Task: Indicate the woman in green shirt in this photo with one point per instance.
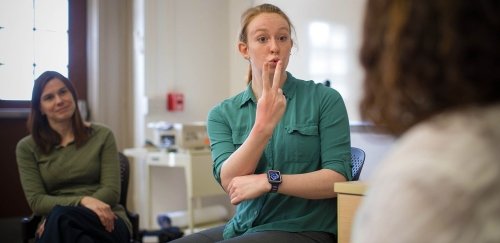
(69, 169)
(279, 146)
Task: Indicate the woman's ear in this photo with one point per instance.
(243, 48)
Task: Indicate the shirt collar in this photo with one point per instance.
(290, 86)
(288, 89)
(248, 96)
(58, 146)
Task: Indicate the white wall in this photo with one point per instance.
(238, 66)
(375, 145)
(186, 50)
(110, 82)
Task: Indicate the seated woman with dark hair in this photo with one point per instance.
(69, 169)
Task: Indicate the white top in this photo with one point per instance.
(440, 183)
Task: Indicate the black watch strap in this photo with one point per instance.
(274, 178)
(274, 187)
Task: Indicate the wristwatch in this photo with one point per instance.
(274, 178)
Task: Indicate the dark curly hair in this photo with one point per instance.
(424, 57)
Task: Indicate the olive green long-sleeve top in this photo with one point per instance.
(67, 174)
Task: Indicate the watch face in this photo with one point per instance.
(274, 176)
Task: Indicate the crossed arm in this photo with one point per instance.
(237, 172)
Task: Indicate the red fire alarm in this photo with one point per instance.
(175, 101)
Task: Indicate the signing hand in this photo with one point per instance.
(247, 187)
(272, 103)
(102, 210)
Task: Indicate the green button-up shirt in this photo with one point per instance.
(313, 134)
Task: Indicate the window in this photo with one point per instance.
(75, 66)
(329, 54)
(33, 39)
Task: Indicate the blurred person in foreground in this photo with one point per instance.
(433, 80)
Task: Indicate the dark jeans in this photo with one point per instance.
(215, 235)
(80, 224)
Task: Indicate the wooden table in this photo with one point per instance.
(349, 196)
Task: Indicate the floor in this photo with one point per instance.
(10, 230)
(154, 239)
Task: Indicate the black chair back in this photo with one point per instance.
(124, 176)
(357, 159)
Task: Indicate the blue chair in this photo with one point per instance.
(357, 160)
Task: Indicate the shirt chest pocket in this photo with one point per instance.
(302, 143)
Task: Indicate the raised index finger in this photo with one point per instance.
(266, 83)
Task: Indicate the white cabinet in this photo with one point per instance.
(159, 184)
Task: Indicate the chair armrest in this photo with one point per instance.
(134, 220)
(29, 226)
